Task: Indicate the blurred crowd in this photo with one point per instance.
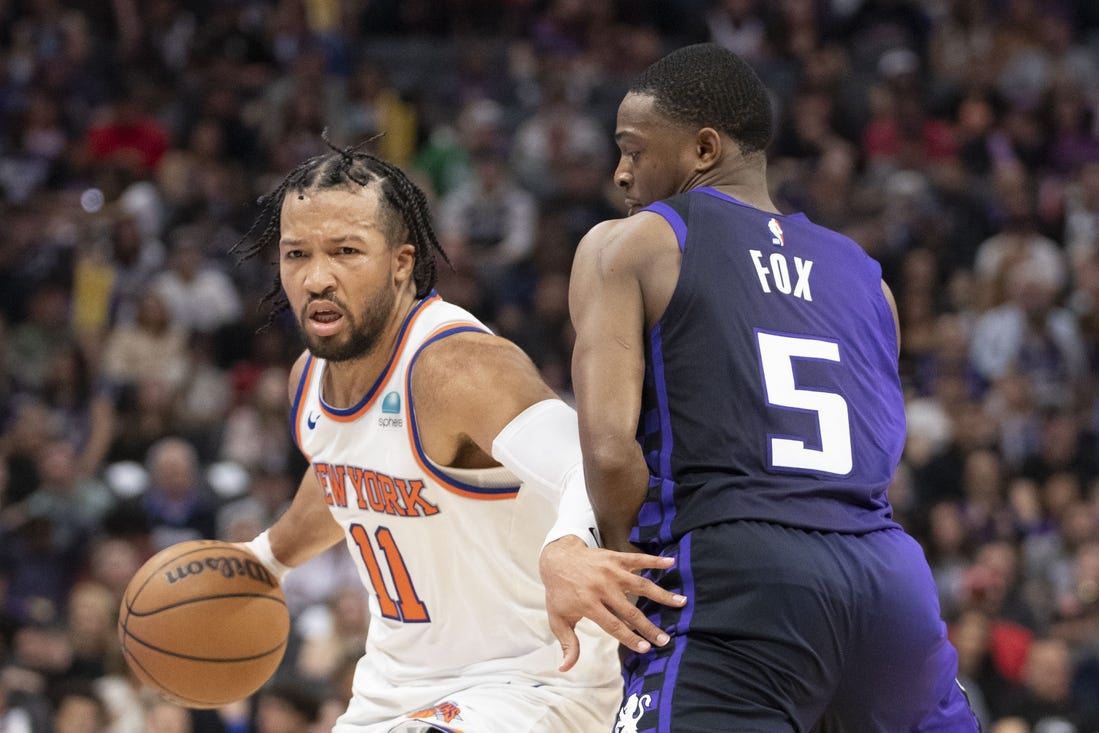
(143, 395)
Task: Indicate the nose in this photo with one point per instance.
(318, 276)
(623, 177)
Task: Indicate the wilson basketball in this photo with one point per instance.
(204, 623)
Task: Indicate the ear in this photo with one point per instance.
(404, 260)
(709, 148)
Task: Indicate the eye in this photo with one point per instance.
(347, 251)
(293, 254)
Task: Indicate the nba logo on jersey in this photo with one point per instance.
(777, 238)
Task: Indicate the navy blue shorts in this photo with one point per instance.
(784, 628)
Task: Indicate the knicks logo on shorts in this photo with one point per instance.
(445, 712)
(631, 713)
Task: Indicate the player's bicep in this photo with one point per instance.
(468, 387)
(607, 310)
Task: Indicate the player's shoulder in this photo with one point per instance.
(296, 372)
(647, 225)
(468, 356)
(472, 375)
(631, 241)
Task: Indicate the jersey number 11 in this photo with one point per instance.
(407, 606)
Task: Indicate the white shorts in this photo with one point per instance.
(498, 707)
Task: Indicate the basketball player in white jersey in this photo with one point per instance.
(445, 464)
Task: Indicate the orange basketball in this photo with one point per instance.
(204, 623)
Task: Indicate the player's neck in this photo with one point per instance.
(345, 383)
(742, 177)
(751, 195)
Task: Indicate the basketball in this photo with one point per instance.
(203, 623)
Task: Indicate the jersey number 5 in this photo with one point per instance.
(407, 606)
(776, 357)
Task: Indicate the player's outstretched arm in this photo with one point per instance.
(528, 429)
(541, 445)
(582, 582)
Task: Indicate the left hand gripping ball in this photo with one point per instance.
(203, 623)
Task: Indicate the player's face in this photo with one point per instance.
(656, 154)
(340, 274)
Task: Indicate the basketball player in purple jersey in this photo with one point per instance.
(740, 410)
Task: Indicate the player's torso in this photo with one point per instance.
(771, 375)
(450, 557)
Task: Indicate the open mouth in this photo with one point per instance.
(323, 317)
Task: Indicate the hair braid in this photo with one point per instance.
(408, 199)
(404, 212)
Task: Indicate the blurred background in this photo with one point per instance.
(143, 388)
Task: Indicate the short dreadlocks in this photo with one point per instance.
(402, 209)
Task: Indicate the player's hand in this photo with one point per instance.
(582, 582)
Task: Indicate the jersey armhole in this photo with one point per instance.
(299, 400)
(491, 490)
(673, 211)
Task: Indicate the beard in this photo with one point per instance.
(362, 334)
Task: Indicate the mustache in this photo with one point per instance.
(324, 299)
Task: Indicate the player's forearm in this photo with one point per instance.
(294, 543)
(617, 479)
(306, 529)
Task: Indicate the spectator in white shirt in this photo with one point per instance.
(199, 296)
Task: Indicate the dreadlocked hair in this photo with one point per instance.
(403, 211)
(710, 86)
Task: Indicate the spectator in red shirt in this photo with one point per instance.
(128, 134)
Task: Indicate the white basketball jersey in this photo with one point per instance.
(450, 556)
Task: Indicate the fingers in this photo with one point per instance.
(639, 586)
(643, 587)
(631, 617)
(570, 644)
(636, 561)
(571, 654)
(605, 593)
(614, 626)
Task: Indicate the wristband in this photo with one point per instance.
(574, 513)
(261, 548)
